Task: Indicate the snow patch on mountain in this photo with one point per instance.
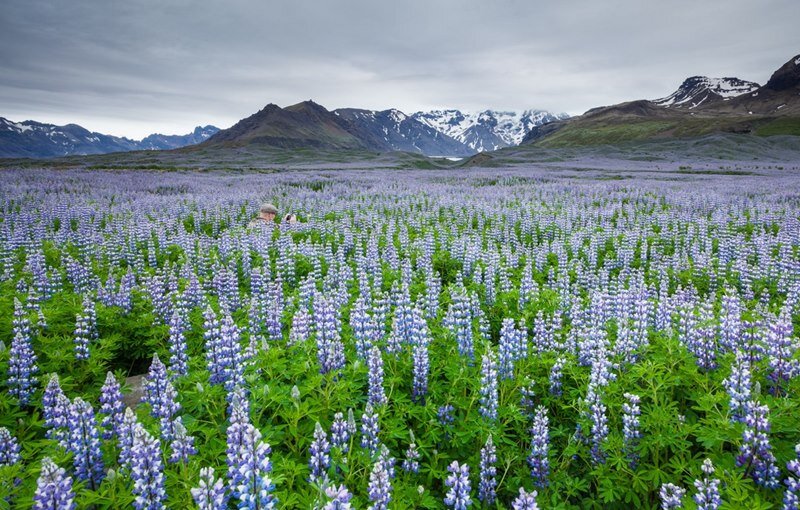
(486, 130)
(697, 90)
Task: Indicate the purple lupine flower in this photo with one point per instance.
(538, 460)
(507, 348)
(22, 360)
(364, 326)
(182, 445)
(488, 472)
(330, 350)
(556, 374)
(231, 353)
(84, 443)
(791, 498)
(125, 437)
(111, 406)
(385, 456)
(730, 326)
(525, 500)
(411, 462)
(379, 489)
(9, 448)
(445, 415)
(340, 433)
(459, 321)
(671, 496)
(755, 453)
(147, 471)
(376, 395)
(489, 391)
(707, 497)
(320, 459)
(248, 464)
(210, 493)
(85, 329)
(421, 371)
(161, 395)
(215, 356)
(178, 360)
(781, 350)
(527, 399)
(630, 428)
(339, 498)
(53, 488)
(301, 327)
(458, 497)
(739, 386)
(369, 429)
(55, 408)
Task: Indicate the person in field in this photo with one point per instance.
(266, 216)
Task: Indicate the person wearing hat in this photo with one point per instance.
(266, 215)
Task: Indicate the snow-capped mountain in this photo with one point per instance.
(394, 130)
(699, 90)
(31, 139)
(487, 130)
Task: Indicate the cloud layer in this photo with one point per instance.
(133, 68)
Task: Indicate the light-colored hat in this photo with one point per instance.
(268, 208)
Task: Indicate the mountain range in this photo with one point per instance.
(700, 106)
(31, 139)
(443, 133)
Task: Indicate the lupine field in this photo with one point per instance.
(418, 339)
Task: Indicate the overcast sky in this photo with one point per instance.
(136, 67)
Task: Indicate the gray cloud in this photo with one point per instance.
(132, 68)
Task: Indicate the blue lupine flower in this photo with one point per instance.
(739, 386)
(369, 429)
(147, 471)
(339, 498)
(421, 369)
(340, 433)
(160, 394)
(84, 443)
(320, 459)
(671, 496)
(781, 350)
(445, 415)
(248, 464)
(376, 395)
(210, 493)
(125, 437)
(53, 488)
(791, 498)
(489, 392)
(630, 430)
(379, 489)
(540, 446)
(488, 472)
(525, 500)
(330, 350)
(111, 406)
(458, 497)
(230, 353)
(707, 497)
(22, 360)
(179, 360)
(459, 321)
(556, 373)
(182, 445)
(411, 462)
(756, 452)
(55, 408)
(9, 448)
